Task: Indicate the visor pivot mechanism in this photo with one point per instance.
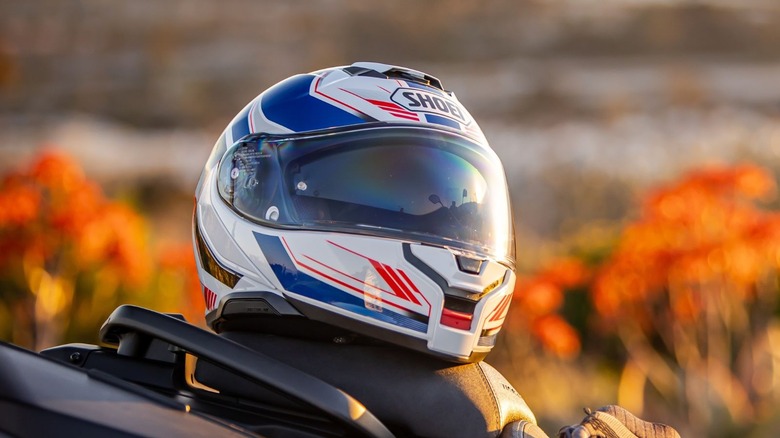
(272, 214)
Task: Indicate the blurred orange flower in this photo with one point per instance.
(705, 228)
(557, 336)
(565, 272)
(177, 259)
(19, 204)
(70, 250)
(538, 298)
(56, 171)
(691, 288)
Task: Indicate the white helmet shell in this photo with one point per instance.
(363, 199)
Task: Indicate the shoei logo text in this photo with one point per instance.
(422, 101)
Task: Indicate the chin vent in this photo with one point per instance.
(469, 265)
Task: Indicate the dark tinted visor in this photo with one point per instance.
(412, 183)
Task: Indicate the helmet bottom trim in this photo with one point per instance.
(249, 304)
(366, 329)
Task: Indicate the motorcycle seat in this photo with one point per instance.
(411, 393)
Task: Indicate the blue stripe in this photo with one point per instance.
(439, 120)
(303, 284)
(290, 105)
(241, 127)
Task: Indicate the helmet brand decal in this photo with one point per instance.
(422, 101)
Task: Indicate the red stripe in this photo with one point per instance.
(397, 291)
(399, 111)
(497, 311)
(392, 108)
(504, 305)
(351, 287)
(381, 272)
(404, 116)
(284, 241)
(389, 106)
(403, 286)
(384, 104)
(347, 275)
(209, 297)
(316, 85)
(408, 280)
(411, 284)
(348, 250)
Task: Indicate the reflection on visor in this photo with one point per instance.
(398, 178)
(418, 184)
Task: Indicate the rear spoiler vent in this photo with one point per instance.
(396, 73)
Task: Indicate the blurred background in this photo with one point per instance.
(641, 140)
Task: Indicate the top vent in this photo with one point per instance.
(366, 69)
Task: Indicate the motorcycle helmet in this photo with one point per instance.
(362, 202)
